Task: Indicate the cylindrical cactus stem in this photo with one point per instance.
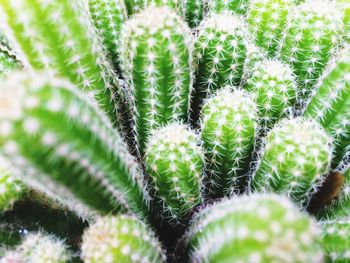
(228, 125)
(344, 6)
(232, 6)
(175, 163)
(335, 240)
(330, 103)
(267, 20)
(60, 37)
(108, 18)
(121, 239)
(60, 143)
(294, 161)
(156, 55)
(255, 228)
(193, 12)
(313, 32)
(273, 85)
(219, 55)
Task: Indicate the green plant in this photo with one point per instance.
(344, 6)
(231, 6)
(8, 59)
(193, 12)
(228, 126)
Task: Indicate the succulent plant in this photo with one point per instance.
(255, 228)
(330, 103)
(267, 20)
(61, 144)
(231, 6)
(193, 12)
(156, 56)
(273, 85)
(312, 35)
(175, 163)
(344, 6)
(294, 160)
(121, 239)
(228, 126)
(8, 58)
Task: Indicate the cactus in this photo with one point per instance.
(175, 163)
(335, 240)
(61, 144)
(311, 38)
(8, 59)
(344, 6)
(58, 36)
(156, 58)
(294, 160)
(233, 6)
(330, 104)
(120, 239)
(255, 228)
(194, 12)
(267, 21)
(219, 55)
(227, 131)
(273, 85)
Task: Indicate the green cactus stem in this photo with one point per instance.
(175, 163)
(219, 55)
(295, 158)
(344, 6)
(156, 56)
(273, 85)
(8, 59)
(313, 33)
(228, 126)
(194, 12)
(121, 239)
(257, 228)
(267, 21)
(233, 6)
(330, 104)
(61, 144)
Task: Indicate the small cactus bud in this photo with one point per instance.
(120, 239)
(233, 6)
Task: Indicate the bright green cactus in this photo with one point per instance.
(219, 55)
(267, 20)
(257, 228)
(194, 12)
(232, 6)
(313, 33)
(156, 57)
(330, 104)
(175, 163)
(228, 125)
(336, 240)
(61, 144)
(121, 239)
(273, 85)
(58, 36)
(294, 161)
(344, 6)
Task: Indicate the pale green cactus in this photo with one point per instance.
(121, 239)
(228, 126)
(294, 160)
(257, 228)
(60, 143)
(156, 56)
(344, 6)
(175, 163)
(231, 6)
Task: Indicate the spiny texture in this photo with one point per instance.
(228, 123)
(336, 240)
(312, 35)
(58, 36)
(108, 17)
(330, 105)
(219, 55)
(156, 57)
(273, 85)
(254, 57)
(194, 12)
(257, 228)
(344, 6)
(231, 6)
(267, 20)
(121, 239)
(295, 158)
(175, 162)
(60, 143)
(8, 59)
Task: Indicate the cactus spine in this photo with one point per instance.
(156, 57)
(344, 6)
(267, 21)
(8, 59)
(120, 239)
(255, 228)
(294, 160)
(233, 6)
(228, 123)
(67, 147)
(194, 12)
(273, 85)
(175, 163)
(312, 35)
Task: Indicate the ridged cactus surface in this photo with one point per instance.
(193, 10)
(344, 6)
(230, 6)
